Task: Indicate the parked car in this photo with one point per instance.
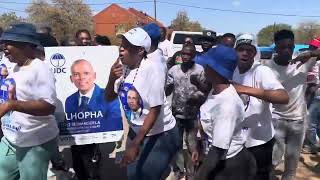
(266, 52)
(177, 39)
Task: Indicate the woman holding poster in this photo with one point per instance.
(30, 131)
(153, 137)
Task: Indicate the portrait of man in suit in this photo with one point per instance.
(133, 100)
(135, 104)
(89, 99)
(88, 106)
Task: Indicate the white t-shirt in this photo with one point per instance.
(167, 48)
(258, 116)
(294, 80)
(313, 77)
(143, 88)
(33, 82)
(222, 118)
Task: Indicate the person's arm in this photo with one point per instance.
(269, 88)
(279, 96)
(132, 151)
(204, 87)
(110, 95)
(115, 73)
(305, 57)
(155, 98)
(169, 89)
(35, 107)
(222, 132)
(147, 125)
(210, 162)
(44, 96)
(312, 83)
(169, 83)
(316, 54)
(201, 83)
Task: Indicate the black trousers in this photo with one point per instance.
(86, 161)
(263, 156)
(240, 167)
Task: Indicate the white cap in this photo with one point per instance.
(246, 39)
(250, 39)
(138, 37)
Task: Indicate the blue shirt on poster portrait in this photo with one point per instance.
(108, 113)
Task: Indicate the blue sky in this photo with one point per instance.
(210, 19)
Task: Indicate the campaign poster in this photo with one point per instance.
(82, 113)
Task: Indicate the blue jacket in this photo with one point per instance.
(108, 114)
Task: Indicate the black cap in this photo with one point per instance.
(208, 35)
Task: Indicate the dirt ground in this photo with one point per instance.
(309, 168)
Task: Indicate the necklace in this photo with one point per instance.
(126, 74)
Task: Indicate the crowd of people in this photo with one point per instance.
(217, 114)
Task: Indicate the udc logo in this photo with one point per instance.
(57, 61)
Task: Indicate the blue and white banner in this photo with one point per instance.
(79, 72)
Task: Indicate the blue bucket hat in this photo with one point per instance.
(221, 59)
(153, 31)
(22, 32)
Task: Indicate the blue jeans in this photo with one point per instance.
(314, 123)
(156, 153)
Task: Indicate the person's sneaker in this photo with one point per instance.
(309, 150)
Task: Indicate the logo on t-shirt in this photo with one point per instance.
(7, 86)
(131, 101)
(178, 59)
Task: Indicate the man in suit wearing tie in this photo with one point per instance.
(89, 98)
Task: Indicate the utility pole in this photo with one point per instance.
(155, 9)
(274, 30)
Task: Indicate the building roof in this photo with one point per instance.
(117, 18)
(131, 13)
(144, 17)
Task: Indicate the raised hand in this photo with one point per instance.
(194, 80)
(302, 58)
(116, 69)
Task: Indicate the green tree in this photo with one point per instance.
(183, 23)
(7, 19)
(306, 31)
(65, 17)
(265, 35)
(195, 26)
